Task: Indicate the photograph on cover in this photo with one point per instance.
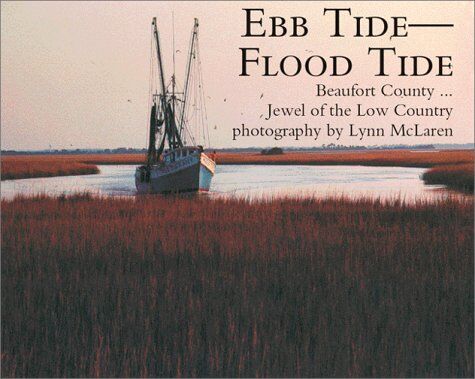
(237, 189)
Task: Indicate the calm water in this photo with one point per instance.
(251, 181)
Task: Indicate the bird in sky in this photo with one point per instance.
(261, 116)
(262, 95)
(128, 100)
(224, 99)
(215, 127)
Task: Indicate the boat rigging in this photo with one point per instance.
(176, 118)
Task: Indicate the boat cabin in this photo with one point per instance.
(180, 153)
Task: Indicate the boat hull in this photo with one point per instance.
(190, 174)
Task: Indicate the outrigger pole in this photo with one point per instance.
(152, 153)
(160, 63)
(171, 131)
(194, 35)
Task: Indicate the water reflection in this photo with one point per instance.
(252, 181)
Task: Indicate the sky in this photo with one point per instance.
(68, 70)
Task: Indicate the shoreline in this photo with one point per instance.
(455, 162)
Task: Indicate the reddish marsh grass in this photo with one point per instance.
(35, 166)
(21, 167)
(457, 177)
(405, 158)
(166, 286)
(374, 157)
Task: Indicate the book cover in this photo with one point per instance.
(237, 189)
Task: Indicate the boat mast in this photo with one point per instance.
(173, 77)
(152, 151)
(160, 63)
(167, 110)
(194, 35)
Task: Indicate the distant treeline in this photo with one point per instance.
(120, 150)
(253, 149)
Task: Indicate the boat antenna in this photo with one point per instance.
(173, 45)
(173, 77)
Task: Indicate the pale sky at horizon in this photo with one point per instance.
(68, 69)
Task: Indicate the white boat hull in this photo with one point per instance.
(191, 173)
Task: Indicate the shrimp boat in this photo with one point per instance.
(173, 164)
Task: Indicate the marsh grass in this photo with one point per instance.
(40, 167)
(459, 177)
(188, 286)
(402, 158)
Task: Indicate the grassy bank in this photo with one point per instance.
(403, 158)
(167, 286)
(22, 167)
(458, 177)
(370, 158)
(36, 166)
(30, 166)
